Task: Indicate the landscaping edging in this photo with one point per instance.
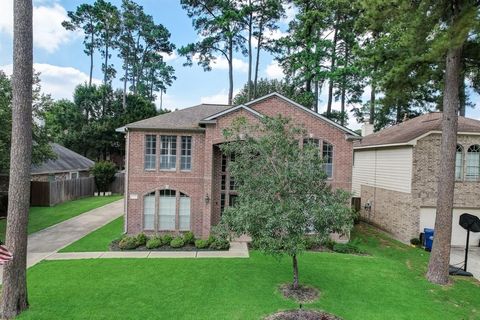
(237, 250)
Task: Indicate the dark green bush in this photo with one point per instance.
(104, 173)
(142, 239)
(220, 244)
(177, 242)
(415, 241)
(211, 239)
(189, 237)
(154, 243)
(329, 244)
(347, 248)
(128, 243)
(166, 239)
(202, 243)
(311, 242)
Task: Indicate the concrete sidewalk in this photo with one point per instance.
(237, 250)
(43, 243)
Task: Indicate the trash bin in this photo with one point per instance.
(428, 238)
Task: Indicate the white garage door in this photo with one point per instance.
(459, 235)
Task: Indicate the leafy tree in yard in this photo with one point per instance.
(104, 173)
(41, 150)
(282, 187)
(14, 297)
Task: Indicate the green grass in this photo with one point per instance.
(43, 217)
(387, 284)
(98, 240)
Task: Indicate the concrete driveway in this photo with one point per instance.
(457, 257)
(43, 243)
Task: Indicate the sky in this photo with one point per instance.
(59, 56)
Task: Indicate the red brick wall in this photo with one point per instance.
(204, 178)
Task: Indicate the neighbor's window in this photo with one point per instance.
(459, 163)
(186, 157)
(327, 154)
(150, 151)
(74, 175)
(168, 152)
(184, 212)
(473, 162)
(149, 211)
(166, 210)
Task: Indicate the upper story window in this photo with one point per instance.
(327, 154)
(314, 142)
(168, 152)
(473, 162)
(150, 152)
(459, 163)
(186, 156)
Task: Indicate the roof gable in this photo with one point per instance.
(246, 106)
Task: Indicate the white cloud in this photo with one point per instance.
(290, 13)
(221, 63)
(60, 82)
(169, 57)
(48, 33)
(218, 98)
(274, 71)
(275, 34)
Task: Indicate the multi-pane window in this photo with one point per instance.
(473, 162)
(224, 163)
(150, 151)
(167, 210)
(223, 182)
(222, 202)
(184, 212)
(168, 152)
(232, 200)
(186, 156)
(232, 184)
(327, 154)
(459, 163)
(149, 211)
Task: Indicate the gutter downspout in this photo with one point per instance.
(125, 197)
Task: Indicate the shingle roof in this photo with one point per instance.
(187, 118)
(414, 128)
(67, 160)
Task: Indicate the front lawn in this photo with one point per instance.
(98, 240)
(388, 284)
(43, 217)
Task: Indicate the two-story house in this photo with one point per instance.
(177, 178)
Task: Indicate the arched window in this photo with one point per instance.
(167, 210)
(459, 163)
(327, 154)
(473, 162)
(184, 212)
(149, 211)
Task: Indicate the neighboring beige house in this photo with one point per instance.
(395, 173)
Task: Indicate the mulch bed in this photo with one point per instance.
(188, 247)
(302, 315)
(304, 294)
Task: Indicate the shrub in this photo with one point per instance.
(166, 239)
(154, 243)
(177, 242)
(141, 239)
(128, 243)
(211, 239)
(415, 241)
(189, 237)
(347, 248)
(220, 244)
(311, 242)
(329, 244)
(202, 243)
(104, 173)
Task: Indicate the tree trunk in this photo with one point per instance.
(295, 272)
(230, 71)
(14, 291)
(315, 104)
(332, 68)
(440, 256)
(92, 40)
(250, 58)
(372, 104)
(344, 84)
(124, 96)
(257, 62)
(105, 72)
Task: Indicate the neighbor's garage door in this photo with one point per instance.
(459, 235)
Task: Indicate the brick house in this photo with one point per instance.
(177, 178)
(395, 173)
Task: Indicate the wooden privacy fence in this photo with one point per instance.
(50, 193)
(118, 185)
